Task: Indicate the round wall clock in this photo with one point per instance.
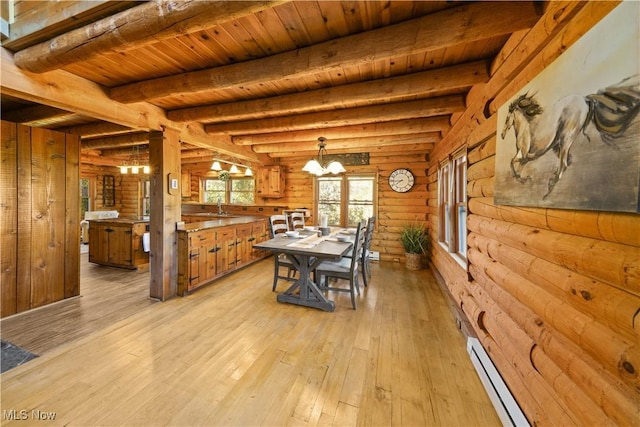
(401, 180)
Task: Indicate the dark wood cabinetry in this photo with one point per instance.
(209, 253)
(117, 243)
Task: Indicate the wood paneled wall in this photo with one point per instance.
(553, 295)
(40, 217)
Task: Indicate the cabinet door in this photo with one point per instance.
(274, 181)
(258, 235)
(98, 243)
(208, 253)
(243, 244)
(193, 278)
(270, 182)
(120, 247)
(226, 256)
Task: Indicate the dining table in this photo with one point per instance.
(306, 251)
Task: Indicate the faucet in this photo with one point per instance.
(220, 212)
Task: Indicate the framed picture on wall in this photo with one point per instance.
(569, 138)
(108, 190)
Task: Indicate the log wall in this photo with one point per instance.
(553, 295)
(40, 224)
(394, 209)
(128, 189)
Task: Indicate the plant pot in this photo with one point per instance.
(413, 261)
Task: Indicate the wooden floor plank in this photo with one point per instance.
(229, 354)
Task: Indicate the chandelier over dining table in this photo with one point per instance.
(316, 166)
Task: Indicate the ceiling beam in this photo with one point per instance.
(99, 160)
(419, 35)
(197, 153)
(399, 127)
(446, 80)
(69, 92)
(439, 106)
(425, 147)
(358, 144)
(91, 130)
(34, 113)
(118, 141)
(133, 28)
(60, 16)
(142, 152)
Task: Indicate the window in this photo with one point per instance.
(145, 200)
(85, 196)
(235, 191)
(452, 204)
(347, 199)
(242, 191)
(213, 190)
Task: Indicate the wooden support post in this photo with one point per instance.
(164, 159)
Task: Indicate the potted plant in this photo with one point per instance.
(415, 242)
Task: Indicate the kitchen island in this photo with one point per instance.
(216, 246)
(117, 242)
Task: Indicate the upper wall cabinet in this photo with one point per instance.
(270, 182)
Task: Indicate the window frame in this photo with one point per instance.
(227, 189)
(345, 200)
(452, 205)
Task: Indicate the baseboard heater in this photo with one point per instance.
(507, 408)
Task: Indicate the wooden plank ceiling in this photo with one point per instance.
(259, 80)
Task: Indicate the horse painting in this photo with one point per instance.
(538, 129)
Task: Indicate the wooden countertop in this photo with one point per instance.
(219, 221)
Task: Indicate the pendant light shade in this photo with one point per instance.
(317, 167)
(216, 166)
(234, 169)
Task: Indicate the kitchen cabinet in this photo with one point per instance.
(244, 237)
(259, 233)
(227, 255)
(202, 257)
(270, 182)
(205, 254)
(117, 243)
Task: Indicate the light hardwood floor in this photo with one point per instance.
(229, 354)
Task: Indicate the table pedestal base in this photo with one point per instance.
(309, 302)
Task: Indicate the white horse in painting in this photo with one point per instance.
(538, 129)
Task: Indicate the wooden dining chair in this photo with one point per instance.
(365, 260)
(346, 268)
(280, 224)
(297, 220)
